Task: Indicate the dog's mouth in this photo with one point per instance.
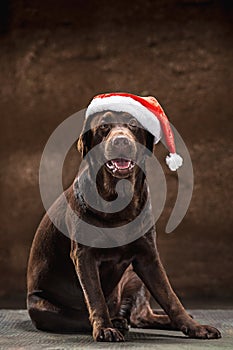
(120, 165)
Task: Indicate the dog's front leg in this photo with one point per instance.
(88, 273)
(150, 269)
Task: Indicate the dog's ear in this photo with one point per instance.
(84, 143)
(150, 141)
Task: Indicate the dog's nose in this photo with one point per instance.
(120, 142)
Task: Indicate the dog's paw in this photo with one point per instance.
(201, 332)
(108, 335)
(121, 324)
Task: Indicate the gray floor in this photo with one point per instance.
(17, 332)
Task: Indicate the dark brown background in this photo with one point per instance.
(55, 55)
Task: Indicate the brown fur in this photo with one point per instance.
(76, 288)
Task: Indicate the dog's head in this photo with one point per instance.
(120, 133)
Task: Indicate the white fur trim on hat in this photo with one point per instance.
(128, 105)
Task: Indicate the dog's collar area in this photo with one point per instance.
(78, 195)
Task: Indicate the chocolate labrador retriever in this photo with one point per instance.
(74, 287)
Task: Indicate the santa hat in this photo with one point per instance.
(149, 114)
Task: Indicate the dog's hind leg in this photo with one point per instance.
(135, 304)
(142, 316)
(130, 302)
(47, 316)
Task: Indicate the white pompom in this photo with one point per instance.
(174, 161)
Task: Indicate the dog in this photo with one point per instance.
(73, 287)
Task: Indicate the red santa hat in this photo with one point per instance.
(149, 114)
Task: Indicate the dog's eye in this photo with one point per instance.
(104, 126)
(133, 123)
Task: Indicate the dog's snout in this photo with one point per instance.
(121, 142)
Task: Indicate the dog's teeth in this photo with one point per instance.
(114, 167)
(110, 165)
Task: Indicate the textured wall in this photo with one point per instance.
(54, 58)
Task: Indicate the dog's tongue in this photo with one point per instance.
(121, 163)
